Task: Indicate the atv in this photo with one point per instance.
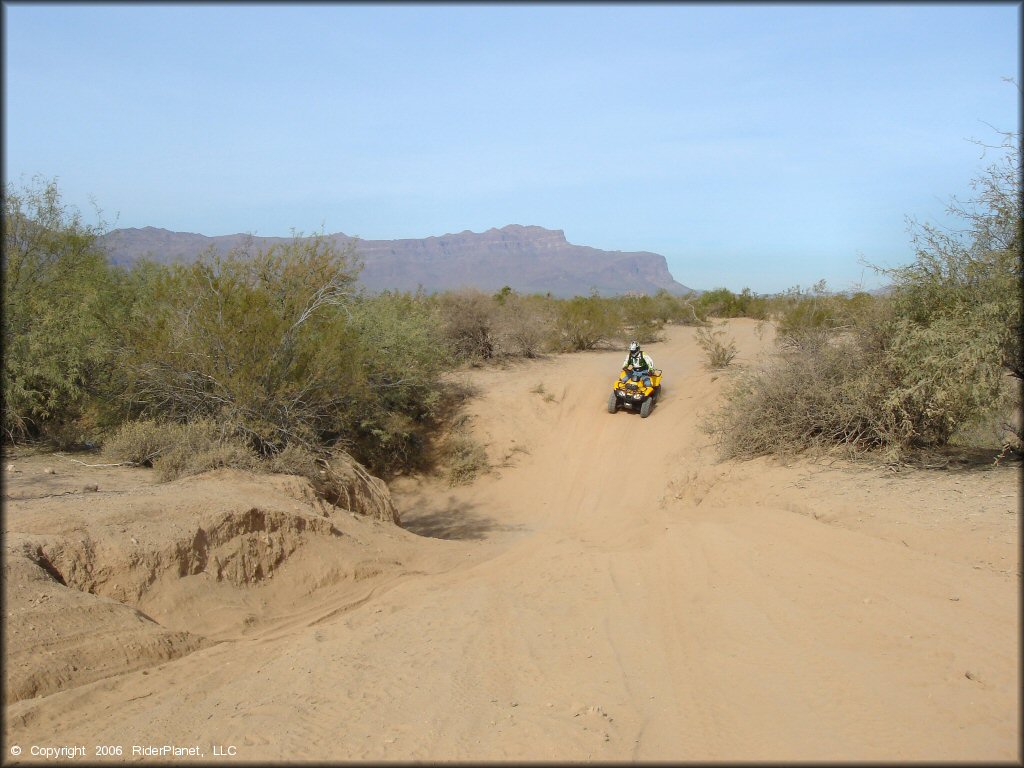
(629, 392)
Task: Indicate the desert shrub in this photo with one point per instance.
(958, 306)
(720, 350)
(179, 450)
(140, 442)
(718, 302)
(642, 318)
(255, 342)
(584, 322)
(342, 481)
(933, 360)
(721, 302)
(294, 459)
(751, 305)
(947, 375)
(464, 458)
(668, 308)
(857, 308)
(817, 392)
(685, 312)
(58, 291)
(399, 355)
(524, 325)
(803, 310)
(468, 320)
(547, 397)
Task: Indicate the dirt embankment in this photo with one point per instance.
(609, 591)
(108, 572)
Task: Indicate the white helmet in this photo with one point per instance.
(634, 347)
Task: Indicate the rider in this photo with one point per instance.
(638, 364)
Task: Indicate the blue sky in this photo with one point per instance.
(759, 145)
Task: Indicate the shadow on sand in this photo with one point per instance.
(964, 459)
(455, 521)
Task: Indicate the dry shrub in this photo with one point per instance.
(523, 326)
(463, 456)
(466, 459)
(293, 460)
(820, 391)
(141, 442)
(720, 353)
(179, 450)
(541, 390)
(468, 318)
(344, 482)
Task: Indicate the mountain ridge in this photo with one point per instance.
(528, 258)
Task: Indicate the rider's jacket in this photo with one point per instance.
(639, 360)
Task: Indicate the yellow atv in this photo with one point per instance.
(629, 392)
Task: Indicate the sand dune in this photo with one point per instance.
(609, 591)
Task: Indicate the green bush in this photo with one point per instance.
(643, 318)
(723, 303)
(58, 299)
(256, 342)
(584, 322)
(958, 307)
(396, 405)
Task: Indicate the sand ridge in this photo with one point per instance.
(610, 591)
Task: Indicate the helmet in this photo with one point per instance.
(634, 347)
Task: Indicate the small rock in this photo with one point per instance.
(955, 599)
(10, 467)
(970, 675)
(49, 471)
(91, 488)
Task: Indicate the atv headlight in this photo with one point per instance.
(637, 396)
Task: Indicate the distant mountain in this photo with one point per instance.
(528, 259)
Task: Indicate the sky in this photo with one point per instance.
(753, 145)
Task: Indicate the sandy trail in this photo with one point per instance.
(611, 592)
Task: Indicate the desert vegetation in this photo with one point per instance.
(718, 347)
(934, 362)
(276, 358)
(268, 358)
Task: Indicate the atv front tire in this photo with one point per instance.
(613, 403)
(645, 408)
